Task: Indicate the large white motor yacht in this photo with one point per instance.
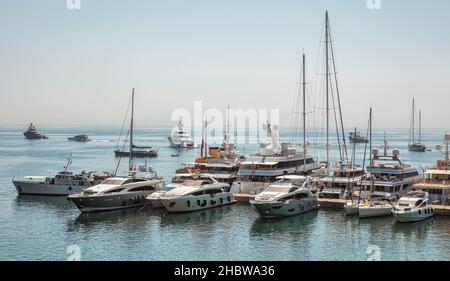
(283, 199)
(117, 193)
(181, 138)
(194, 195)
(413, 207)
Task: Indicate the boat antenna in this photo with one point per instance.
(385, 144)
(131, 132)
(69, 162)
(365, 153)
(304, 112)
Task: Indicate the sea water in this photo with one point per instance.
(52, 228)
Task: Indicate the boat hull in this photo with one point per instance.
(350, 210)
(197, 203)
(136, 154)
(417, 148)
(34, 136)
(413, 215)
(370, 211)
(102, 203)
(25, 188)
(284, 209)
(182, 144)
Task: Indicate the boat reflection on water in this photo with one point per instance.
(412, 230)
(297, 223)
(132, 216)
(43, 202)
(205, 217)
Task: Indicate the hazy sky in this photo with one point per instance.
(62, 66)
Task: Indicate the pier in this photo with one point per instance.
(338, 204)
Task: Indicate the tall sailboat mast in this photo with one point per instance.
(413, 141)
(327, 75)
(131, 131)
(420, 124)
(304, 113)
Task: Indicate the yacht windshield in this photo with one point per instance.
(278, 188)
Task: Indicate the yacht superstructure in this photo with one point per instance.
(181, 138)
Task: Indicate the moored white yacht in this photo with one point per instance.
(413, 207)
(62, 184)
(283, 199)
(33, 134)
(194, 195)
(181, 138)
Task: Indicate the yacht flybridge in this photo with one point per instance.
(272, 161)
(181, 138)
(283, 199)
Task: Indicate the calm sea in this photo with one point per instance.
(42, 228)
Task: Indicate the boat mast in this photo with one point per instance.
(420, 124)
(327, 74)
(304, 113)
(370, 136)
(131, 132)
(413, 122)
(446, 140)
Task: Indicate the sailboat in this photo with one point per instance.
(413, 145)
(141, 151)
(120, 192)
(337, 181)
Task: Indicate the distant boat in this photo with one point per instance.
(356, 137)
(413, 145)
(33, 134)
(181, 138)
(79, 138)
(141, 152)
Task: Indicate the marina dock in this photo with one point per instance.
(337, 204)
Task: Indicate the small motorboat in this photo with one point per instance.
(79, 138)
(413, 207)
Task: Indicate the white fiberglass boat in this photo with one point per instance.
(413, 207)
(194, 195)
(284, 199)
(379, 208)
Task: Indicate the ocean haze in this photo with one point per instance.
(61, 66)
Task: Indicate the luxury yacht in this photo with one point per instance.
(181, 138)
(117, 193)
(63, 183)
(154, 199)
(283, 199)
(33, 134)
(437, 179)
(194, 195)
(79, 138)
(272, 161)
(413, 207)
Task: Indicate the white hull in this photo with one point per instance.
(350, 210)
(195, 203)
(284, 209)
(182, 144)
(374, 211)
(413, 215)
(24, 188)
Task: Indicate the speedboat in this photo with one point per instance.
(33, 134)
(181, 138)
(356, 137)
(117, 193)
(194, 195)
(79, 138)
(283, 199)
(413, 207)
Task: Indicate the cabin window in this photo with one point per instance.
(213, 191)
(172, 204)
(229, 199)
(198, 202)
(188, 203)
(204, 203)
(114, 190)
(142, 188)
(198, 193)
(221, 200)
(213, 202)
(301, 196)
(128, 181)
